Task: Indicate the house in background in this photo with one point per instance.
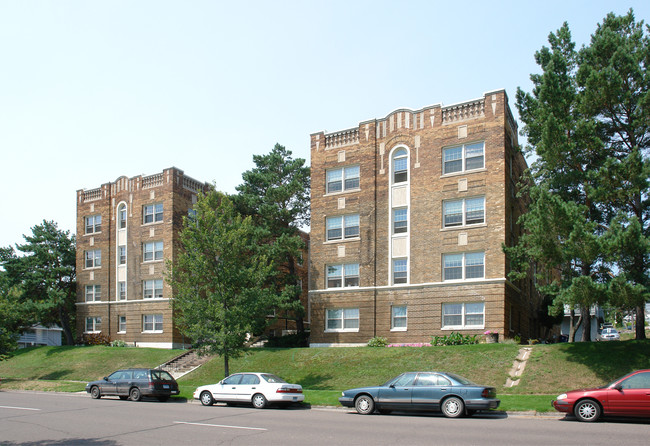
(409, 213)
(40, 335)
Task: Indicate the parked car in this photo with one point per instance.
(609, 334)
(260, 389)
(134, 384)
(625, 396)
(449, 393)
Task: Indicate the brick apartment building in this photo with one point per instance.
(408, 217)
(126, 230)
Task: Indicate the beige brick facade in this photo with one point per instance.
(404, 171)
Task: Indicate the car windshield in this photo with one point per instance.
(461, 380)
(272, 378)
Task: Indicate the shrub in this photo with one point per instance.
(454, 339)
(378, 341)
(96, 339)
(118, 343)
(288, 341)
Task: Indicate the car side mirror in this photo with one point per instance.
(106, 378)
(618, 387)
(392, 386)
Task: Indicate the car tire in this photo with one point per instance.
(364, 405)
(123, 397)
(453, 407)
(135, 394)
(259, 401)
(206, 398)
(587, 410)
(95, 392)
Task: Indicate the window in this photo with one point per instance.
(93, 324)
(400, 166)
(342, 319)
(152, 251)
(93, 293)
(400, 220)
(152, 289)
(152, 323)
(152, 213)
(463, 315)
(121, 289)
(93, 258)
(345, 275)
(122, 255)
(400, 271)
(463, 266)
(343, 179)
(343, 227)
(638, 381)
(398, 318)
(121, 216)
(469, 211)
(121, 324)
(462, 158)
(93, 224)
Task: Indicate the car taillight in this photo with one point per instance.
(487, 393)
(288, 390)
(152, 384)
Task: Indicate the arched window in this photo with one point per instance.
(121, 215)
(400, 166)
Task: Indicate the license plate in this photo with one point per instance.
(165, 386)
(295, 398)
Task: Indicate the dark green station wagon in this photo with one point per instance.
(134, 384)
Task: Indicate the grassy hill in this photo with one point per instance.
(324, 372)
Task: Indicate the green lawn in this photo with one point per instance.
(325, 372)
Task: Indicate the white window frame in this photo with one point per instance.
(464, 315)
(344, 225)
(463, 211)
(121, 324)
(347, 317)
(155, 286)
(394, 270)
(95, 293)
(95, 257)
(464, 265)
(121, 293)
(96, 322)
(152, 249)
(406, 220)
(122, 217)
(95, 226)
(463, 159)
(345, 177)
(343, 277)
(121, 255)
(400, 154)
(394, 317)
(151, 210)
(152, 323)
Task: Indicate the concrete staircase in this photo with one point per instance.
(185, 363)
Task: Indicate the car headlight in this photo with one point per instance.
(562, 397)
(342, 393)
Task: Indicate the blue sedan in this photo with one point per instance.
(448, 393)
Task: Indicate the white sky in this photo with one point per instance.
(92, 90)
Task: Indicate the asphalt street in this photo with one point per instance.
(50, 419)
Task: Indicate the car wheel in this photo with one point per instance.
(364, 405)
(587, 410)
(95, 393)
(206, 398)
(135, 394)
(123, 397)
(259, 402)
(453, 407)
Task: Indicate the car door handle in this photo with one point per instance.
(253, 388)
(443, 389)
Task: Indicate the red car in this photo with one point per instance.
(626, 396)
